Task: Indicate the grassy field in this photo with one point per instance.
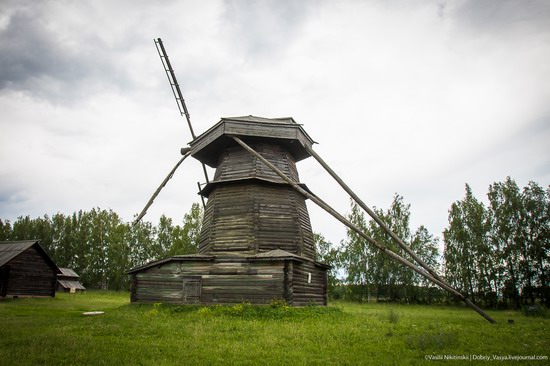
(54, 331)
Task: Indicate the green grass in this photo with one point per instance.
(54, 332)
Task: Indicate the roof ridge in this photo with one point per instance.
(251, 118)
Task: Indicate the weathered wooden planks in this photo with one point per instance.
(221, 282)
(232, 280)
(254, 218)
(235, 163)
(309, 284)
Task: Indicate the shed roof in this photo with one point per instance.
(279, 254)
(181, 258)
(208, 146)
(11, 249)
(68, 272)
(272, 255)
(71, 284)
(276, 254)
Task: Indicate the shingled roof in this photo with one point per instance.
(11, 249)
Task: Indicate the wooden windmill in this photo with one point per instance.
(256, 242)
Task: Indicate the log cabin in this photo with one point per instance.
(26, 270)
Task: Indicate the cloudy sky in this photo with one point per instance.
(409, 97)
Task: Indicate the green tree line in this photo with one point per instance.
(496, 255)
(101, 247)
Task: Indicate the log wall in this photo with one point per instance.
(237, 163)
(309, 284)
(227, 281)
(29, 274)
(252, 218)
(231, 281)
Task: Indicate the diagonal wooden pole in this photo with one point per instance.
(374, 216)
(381, 223)
(186, 153)
(350, 225)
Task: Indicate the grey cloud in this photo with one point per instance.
(33, 58)
(264, 27)
(502, 15)
(26, 51)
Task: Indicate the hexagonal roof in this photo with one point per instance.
(208, 146)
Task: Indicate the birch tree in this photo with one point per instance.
(467, 251)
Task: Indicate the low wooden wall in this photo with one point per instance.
(219, 282)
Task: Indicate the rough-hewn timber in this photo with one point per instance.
(256, 217)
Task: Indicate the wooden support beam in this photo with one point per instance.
(370, 240)
(186, 153)
(381, 223)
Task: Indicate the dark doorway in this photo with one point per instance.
(4, 274)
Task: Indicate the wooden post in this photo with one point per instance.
(350, 225)
(185, 153)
